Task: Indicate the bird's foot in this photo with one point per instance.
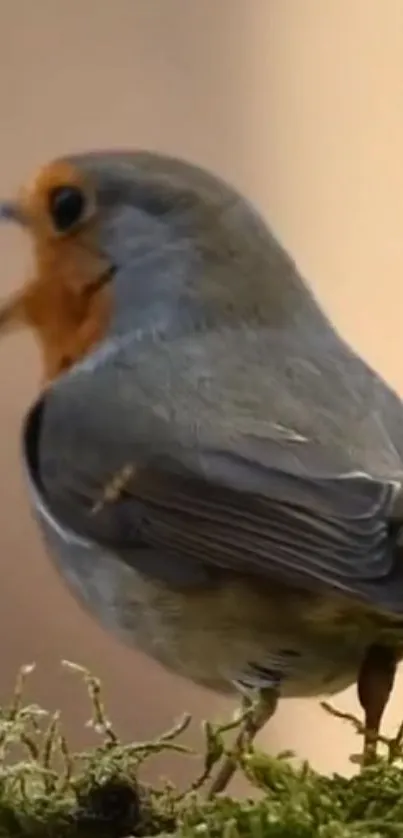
(375, 683)
(257, 714)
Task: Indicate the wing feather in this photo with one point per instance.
(233, 513)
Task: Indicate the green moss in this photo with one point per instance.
(52, 793)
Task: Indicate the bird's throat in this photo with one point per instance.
(68, 326)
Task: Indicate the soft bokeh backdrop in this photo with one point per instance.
(300, 104)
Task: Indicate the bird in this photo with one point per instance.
(216, 473)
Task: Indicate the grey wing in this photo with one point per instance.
(261, 510)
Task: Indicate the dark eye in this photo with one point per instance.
(66, 206)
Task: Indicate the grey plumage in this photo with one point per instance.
(267, 456)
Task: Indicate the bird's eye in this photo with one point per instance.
(67, 206)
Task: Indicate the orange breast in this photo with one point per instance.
(67, 305)
(65, 326)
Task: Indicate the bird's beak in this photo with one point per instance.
(12, 211)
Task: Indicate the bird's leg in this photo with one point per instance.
(375, 683)
(264, 709)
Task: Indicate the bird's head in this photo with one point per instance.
(124, 241)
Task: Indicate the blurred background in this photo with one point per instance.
(299, 103)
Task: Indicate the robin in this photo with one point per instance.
(217, 474)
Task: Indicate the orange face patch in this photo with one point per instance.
(68, 302)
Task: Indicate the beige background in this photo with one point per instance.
(300, 104)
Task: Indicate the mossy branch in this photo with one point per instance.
(51, 792)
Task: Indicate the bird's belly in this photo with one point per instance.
(213, 636)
